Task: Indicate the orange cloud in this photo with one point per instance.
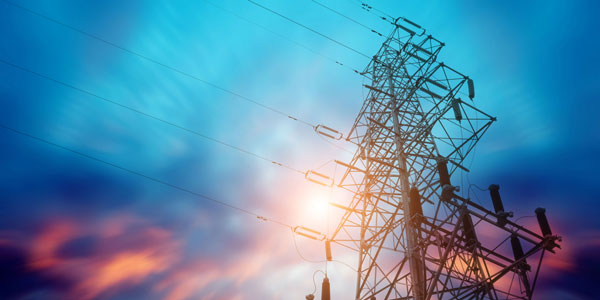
(128, 251)
(43, 248)
(193, 280)
(186, 282)
(123, 268)
(564, 259)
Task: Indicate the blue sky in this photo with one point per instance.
(534, 65)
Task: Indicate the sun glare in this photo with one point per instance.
(316, 207)
(319, 206)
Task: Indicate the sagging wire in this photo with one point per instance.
(310, 29)
(148, 115)
(170, 185)
(179, 71)
(314, 282)
(475, 194)
(299, 253)
(383, 15)
(154, 61)
(348, 18)
(283, 37)
(139, 174)
(317, 261)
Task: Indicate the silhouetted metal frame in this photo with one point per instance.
(408, 83)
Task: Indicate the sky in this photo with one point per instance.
(75, 228)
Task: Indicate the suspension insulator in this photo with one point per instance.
(318, 178)
(328, 132)
(543, 221)
(456, 109)
(416, 211)
(496, 200)
(502, 216)
(411, 23)
(328, 250)
(443, 172)
(325, 293)
(309, 233)
(518, 252)
(427, 91)
(471, 88)
(414, 29)
(428, 79)
(516, 247)
(469, 230)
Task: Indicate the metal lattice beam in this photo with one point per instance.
(415, 237)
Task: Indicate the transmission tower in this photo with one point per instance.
(417, 236)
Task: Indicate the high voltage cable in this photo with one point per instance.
(281, 36)
(196, 194)
(160, 64)
(182, 72)
(162, 182)
(348, 18)
(382, 15)
(177, 71)
(151, 116)
(310, 29)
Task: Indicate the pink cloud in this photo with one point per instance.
(128, 251)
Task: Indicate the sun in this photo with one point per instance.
(318, 206)
(313, 207)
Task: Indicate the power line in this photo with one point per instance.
(382, 15)
(304, 122)
(314, 282)
(283, 37)
(167, 184)
(300, 254)
(170, 185)
(317, 261)
(196, 194)
(348, 18)
(310, 29)
(161, 64)
(152, 116)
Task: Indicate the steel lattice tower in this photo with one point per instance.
(416, 236)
